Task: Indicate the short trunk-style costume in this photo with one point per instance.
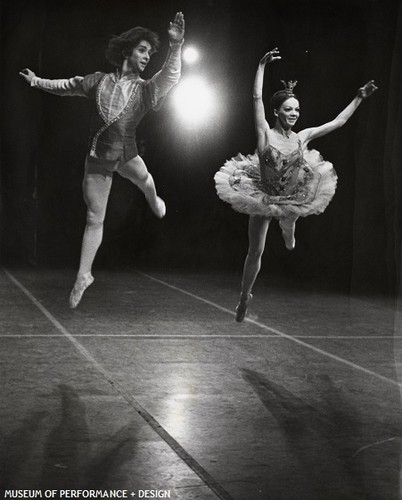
(119, 105)
(275, 184)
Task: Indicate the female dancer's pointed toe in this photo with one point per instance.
(242, 307)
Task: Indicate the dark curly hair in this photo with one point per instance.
(122, 45)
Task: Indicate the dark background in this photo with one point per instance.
(331, 47)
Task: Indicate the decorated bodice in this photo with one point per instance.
(114, 95)
(283, 174)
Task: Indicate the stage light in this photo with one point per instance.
(194, 101)
(190, 55)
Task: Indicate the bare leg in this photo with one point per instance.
(96, 188)
(288, 226)
(136, 171)
(257, 233)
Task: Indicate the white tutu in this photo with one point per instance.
(238, 182)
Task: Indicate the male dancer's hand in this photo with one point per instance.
(367, 90)
(176, 28)
(27, 74)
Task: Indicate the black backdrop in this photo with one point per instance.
(331, 47)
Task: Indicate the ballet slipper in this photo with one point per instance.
(81, 284)
(242, 306)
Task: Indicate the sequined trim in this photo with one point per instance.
(285, 176)
(117, 117)
(247, 179)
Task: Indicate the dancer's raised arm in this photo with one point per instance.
(309, 134)
(261, 124)
(170, 73)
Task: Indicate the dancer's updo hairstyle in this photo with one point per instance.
(282, 95)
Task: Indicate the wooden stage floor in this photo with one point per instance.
(151, 386)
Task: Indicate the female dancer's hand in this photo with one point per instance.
(367, 89)
(176, 28)
(27, 74)
(271, 56)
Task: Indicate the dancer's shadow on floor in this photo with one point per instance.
(64, 457)
(340, 455)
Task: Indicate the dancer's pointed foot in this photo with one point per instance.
(158, 207)
(81, 284)
(242, 306)
(288, 233)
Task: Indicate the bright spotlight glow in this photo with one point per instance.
(194, 100)
(190, 55)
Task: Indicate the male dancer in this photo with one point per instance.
(121, 99)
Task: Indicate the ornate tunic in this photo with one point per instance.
(119, 104)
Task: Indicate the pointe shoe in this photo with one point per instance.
(158, 207)
(81, 284)
(288, 234)
(242, 306)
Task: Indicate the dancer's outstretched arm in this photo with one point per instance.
(62, 87)
(309, 134)
(170, 73)
(260, 122)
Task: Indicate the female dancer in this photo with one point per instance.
(122, 99)
(284, 180)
